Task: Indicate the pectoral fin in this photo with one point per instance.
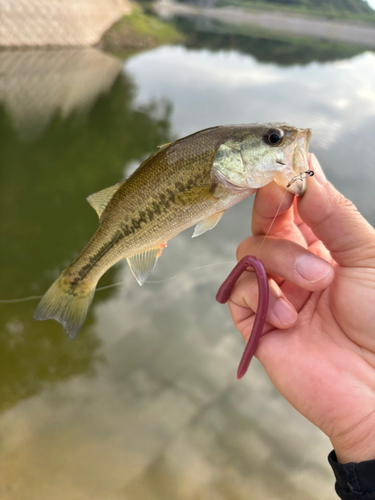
(100, 200)
(142, 264)
(207, 224)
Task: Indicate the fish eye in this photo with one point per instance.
(273, 137)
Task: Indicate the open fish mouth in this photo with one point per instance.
(296, 157)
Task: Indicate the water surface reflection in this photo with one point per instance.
(266, 46)
(337, 100)
(38, 84)
(89, 138)
(144, 405)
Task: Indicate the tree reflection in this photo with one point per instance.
(46, 220)
(264, 46)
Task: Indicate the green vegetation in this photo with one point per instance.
(353, 6)
(139, 31)
(320, 9)
(349, 10)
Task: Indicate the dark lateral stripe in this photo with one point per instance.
(94, 259)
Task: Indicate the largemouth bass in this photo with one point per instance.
(191, 181)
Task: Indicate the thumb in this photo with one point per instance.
(336, 222)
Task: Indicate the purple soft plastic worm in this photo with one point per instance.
(260, 316)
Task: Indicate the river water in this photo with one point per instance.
(144, 405)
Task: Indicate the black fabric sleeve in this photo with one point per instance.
(354, 481)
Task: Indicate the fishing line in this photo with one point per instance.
(148, 282)
(99, 289)
(299, 177)
(23, 299)
(191, 270)
(272, 222)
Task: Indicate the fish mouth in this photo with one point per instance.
(296, 161)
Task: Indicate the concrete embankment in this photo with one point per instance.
(35, 23)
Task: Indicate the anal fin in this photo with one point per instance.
(142, 264)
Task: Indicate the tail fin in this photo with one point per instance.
(67, 303)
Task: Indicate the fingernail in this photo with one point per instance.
(285, 312)
(311, 268)
(318, 171)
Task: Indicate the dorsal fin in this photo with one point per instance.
(143, 263)
(100, 200)
(162, 146)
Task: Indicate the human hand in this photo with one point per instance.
(318, 346)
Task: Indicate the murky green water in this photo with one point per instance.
(144, 405)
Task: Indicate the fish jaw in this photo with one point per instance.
(296, 162)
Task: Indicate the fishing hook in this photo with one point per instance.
(300, 177)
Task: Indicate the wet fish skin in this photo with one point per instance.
(190, 181)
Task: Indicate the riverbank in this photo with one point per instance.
(326, 10)
(138, 31)
(356, 33)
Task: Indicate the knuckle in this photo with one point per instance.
(345, 203)
(244, 248)
(333, 202)
(284, 232)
